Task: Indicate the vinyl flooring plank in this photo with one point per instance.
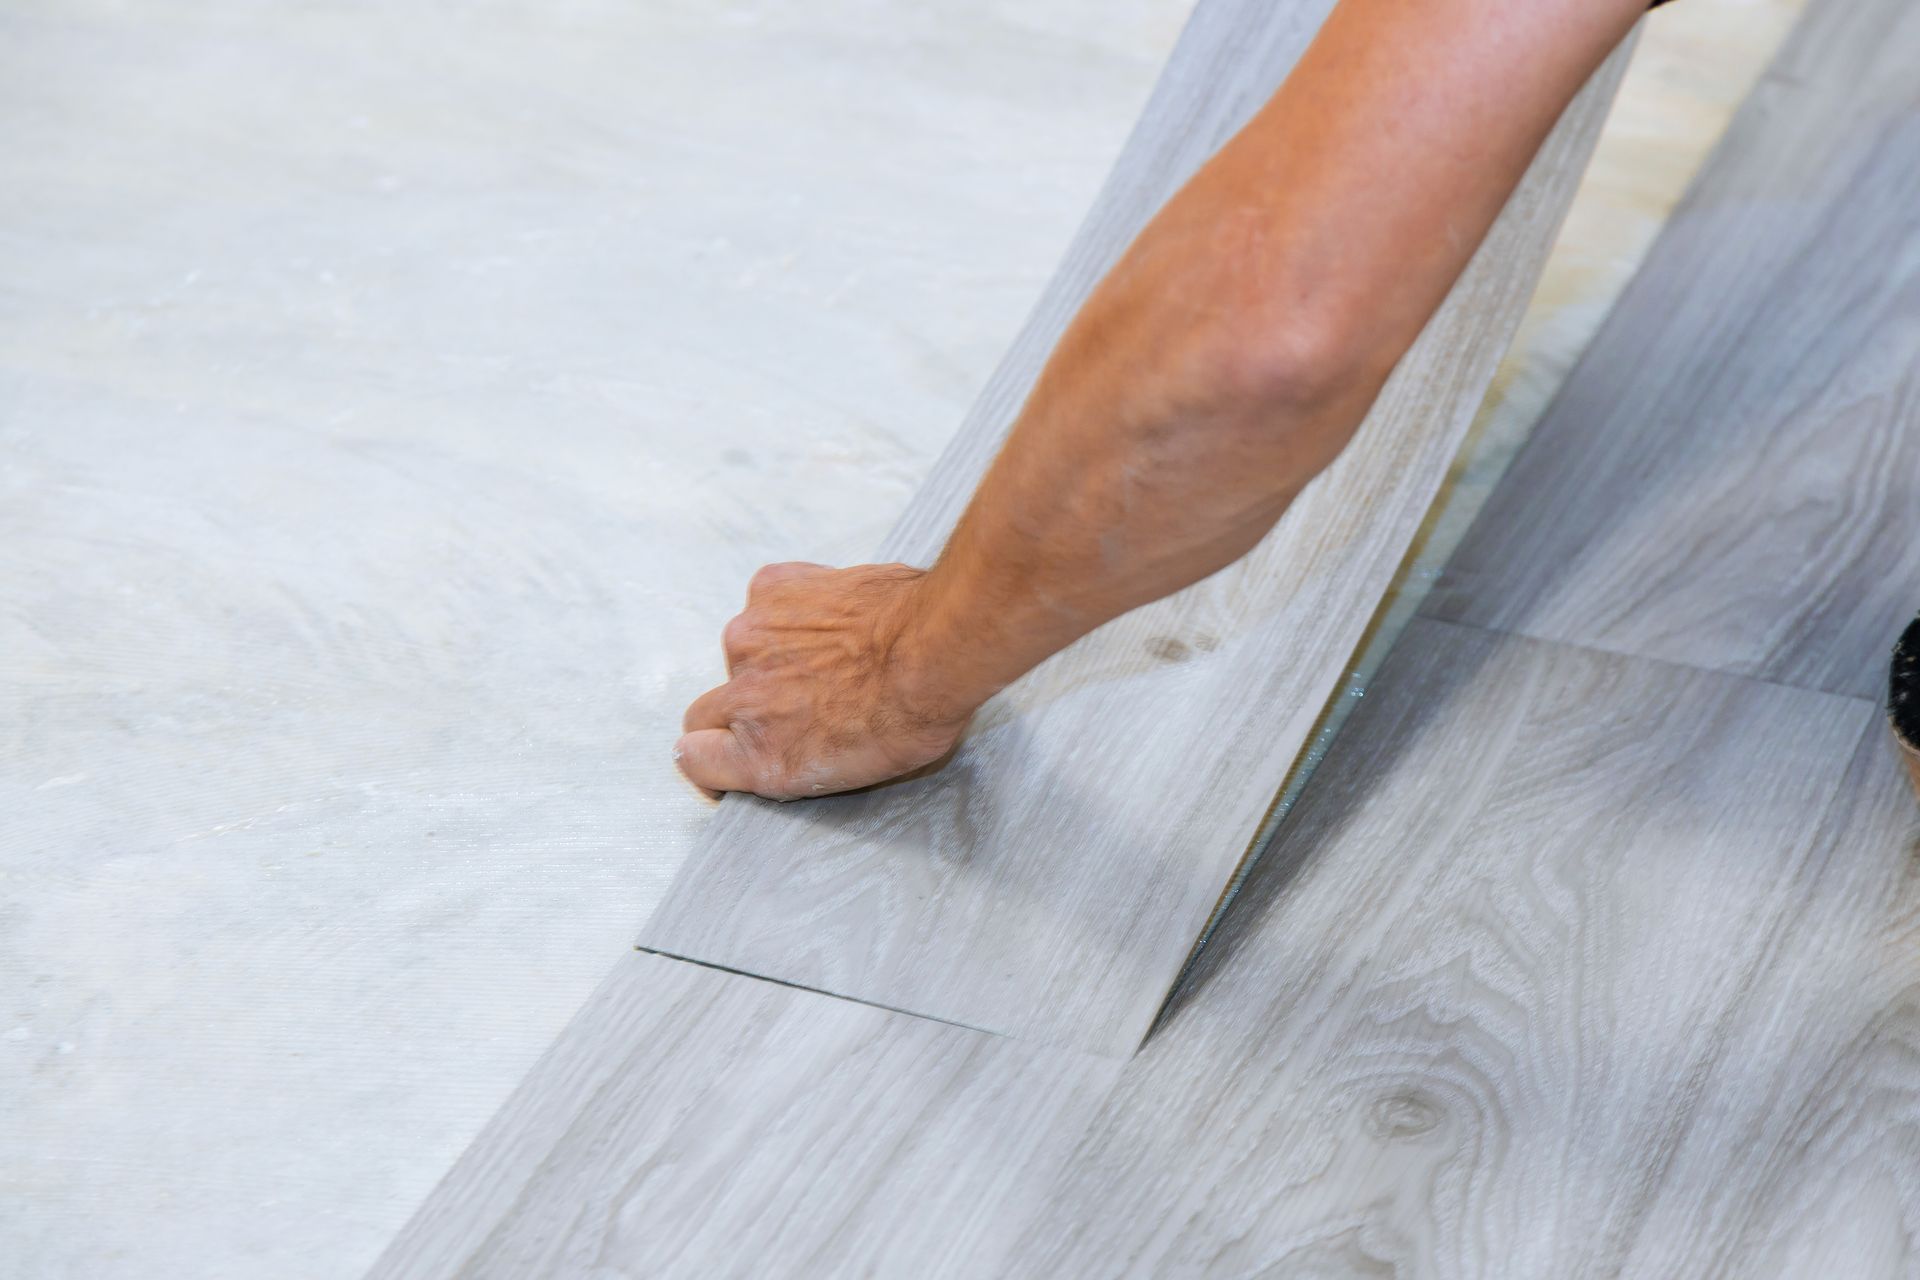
(1731, 476)
(1051, 880)
(1864, 48)
(695, 1123)
(1473, 1012)
(1491, 1005)
(1805, 1158)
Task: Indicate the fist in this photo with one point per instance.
(825, 691)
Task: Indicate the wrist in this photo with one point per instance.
(956, 643)
(939, 671)
(921, 662)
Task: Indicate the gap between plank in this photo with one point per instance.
(819, 991)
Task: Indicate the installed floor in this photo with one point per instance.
(1732, 476)
(1445, 1033)
(392, 404)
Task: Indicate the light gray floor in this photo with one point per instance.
(392, 404)
(1731, 478)
(1447, 1032)
(693, 1124)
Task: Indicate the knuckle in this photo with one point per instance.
(737, 634)
(769, 575)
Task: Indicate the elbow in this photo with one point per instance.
(1302, 383)
(1312, 362)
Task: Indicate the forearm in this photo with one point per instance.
(1230, 354)
(1117, 486)
(1223, 362)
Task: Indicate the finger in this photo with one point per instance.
(712, 709)
(715, 761)
(734, 638)
(774, 574)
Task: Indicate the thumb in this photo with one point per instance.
(715, 761)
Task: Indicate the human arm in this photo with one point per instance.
(1222, 363)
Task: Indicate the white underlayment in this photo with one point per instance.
(392, 404)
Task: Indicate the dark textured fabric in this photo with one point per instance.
(1903, 693)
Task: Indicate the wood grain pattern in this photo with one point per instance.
(1731, 477)
(1050, 881)
(1805, 1160)
(1556, 970)
(1464, 1019)
(693, 1123)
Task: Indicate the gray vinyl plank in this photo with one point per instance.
(1806, 1157)
(1731, 476)
(700, 1124)
(1563, 960)
(1051, 880)
(1468, 1015)
(1863, 47)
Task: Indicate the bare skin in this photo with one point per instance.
(1222, 364)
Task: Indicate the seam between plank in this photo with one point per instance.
(819, 991)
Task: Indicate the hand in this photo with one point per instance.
(824, 692)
